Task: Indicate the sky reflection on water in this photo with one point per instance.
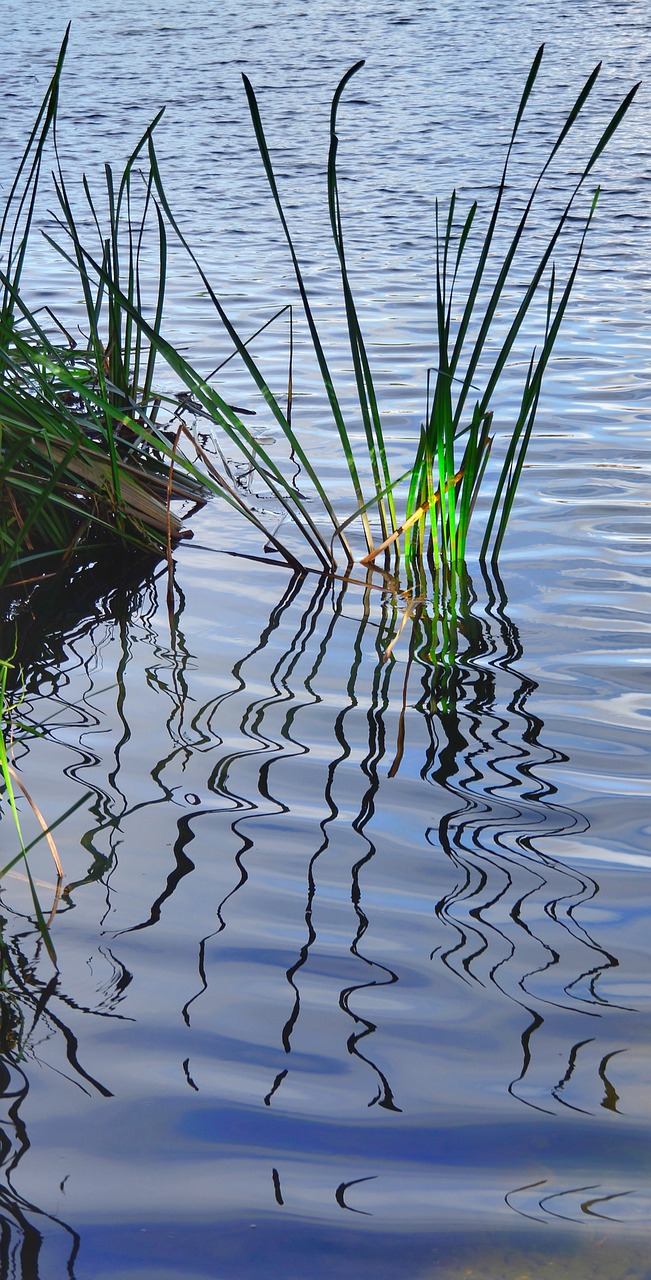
(333, 978)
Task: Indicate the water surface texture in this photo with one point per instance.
(353, 967)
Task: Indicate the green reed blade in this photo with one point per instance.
(521, 435)
(463, 240)
(30, 162)
(240, 435)
(223, 415)
(314, 333)
(158, 314)
(496, 293)
(488, 239)
(363, 377)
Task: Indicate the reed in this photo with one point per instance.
(13, 786)
(451, 462)
(90, 451)
(74, 470)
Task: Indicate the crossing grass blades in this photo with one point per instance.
(82, 460)
(86, 449)
(444, 480)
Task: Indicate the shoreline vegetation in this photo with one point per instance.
(94, 458)
(91, 454)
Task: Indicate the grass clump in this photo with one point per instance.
(81, 457)
(85, 456)
(445, 477)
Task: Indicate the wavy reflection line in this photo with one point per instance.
(562, 1195)
(588, 887)
(369, 769)
(556, 1092)
(529, 1186)
(332, 814)
(611, 1096)
(250, 721)
(340, 1194)
(477, 763)
(512, 909)
(585, 1208)
(475, 839)
(21, 1241)
(37, 998)
(25, 1010)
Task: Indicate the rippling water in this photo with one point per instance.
(354, 963)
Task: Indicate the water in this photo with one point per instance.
(354, 964)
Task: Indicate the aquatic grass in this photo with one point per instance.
(9, 777)
(58, 475)
(18, 214)
(125, 342)
(91, 451)
(452, 458)
(72, 469)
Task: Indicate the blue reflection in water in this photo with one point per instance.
(458, 703)
(512, 909)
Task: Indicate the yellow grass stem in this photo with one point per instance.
(37, 813)
(413, 518)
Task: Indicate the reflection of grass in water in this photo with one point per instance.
(559, 1259)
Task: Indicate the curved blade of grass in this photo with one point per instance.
(521, 435)
(31, 159)
(363, 377)
(498, 288)
(221, 412)
(47, 835)
(314, 333)
(260, 382)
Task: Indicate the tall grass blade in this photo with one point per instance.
(363, 377)
(239, 433)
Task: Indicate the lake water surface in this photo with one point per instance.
(354, 968)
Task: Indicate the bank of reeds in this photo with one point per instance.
(82, 460)
(446, 476)
(88, 450)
